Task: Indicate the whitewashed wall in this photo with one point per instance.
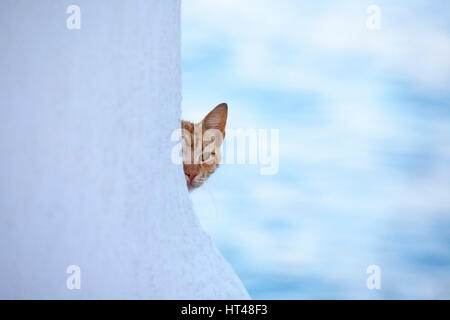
(85, 171)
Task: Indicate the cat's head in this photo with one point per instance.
(202, 143)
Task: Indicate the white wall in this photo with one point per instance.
(85, 171)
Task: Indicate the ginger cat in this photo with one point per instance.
(201, 146)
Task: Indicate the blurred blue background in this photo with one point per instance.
(364, 122)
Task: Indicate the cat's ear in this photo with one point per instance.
(217, 118)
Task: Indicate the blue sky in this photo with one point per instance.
(364, 124)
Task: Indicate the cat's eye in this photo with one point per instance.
(206, 156)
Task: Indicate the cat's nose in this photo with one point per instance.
(192, 176)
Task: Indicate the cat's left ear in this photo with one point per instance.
(217, 118)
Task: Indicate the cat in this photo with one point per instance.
(201, 146)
